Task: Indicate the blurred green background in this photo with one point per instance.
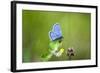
(76, 30)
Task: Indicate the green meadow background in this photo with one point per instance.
(75, 29)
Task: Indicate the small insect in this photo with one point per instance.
(55, 33)
(70, 52)
(55, 36)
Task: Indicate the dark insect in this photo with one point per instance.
(70, 53)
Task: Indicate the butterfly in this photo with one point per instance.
(56, 32)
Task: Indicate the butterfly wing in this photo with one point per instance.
(57, 30)
(52, 36)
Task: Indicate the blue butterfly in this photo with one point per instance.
(55, 33)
